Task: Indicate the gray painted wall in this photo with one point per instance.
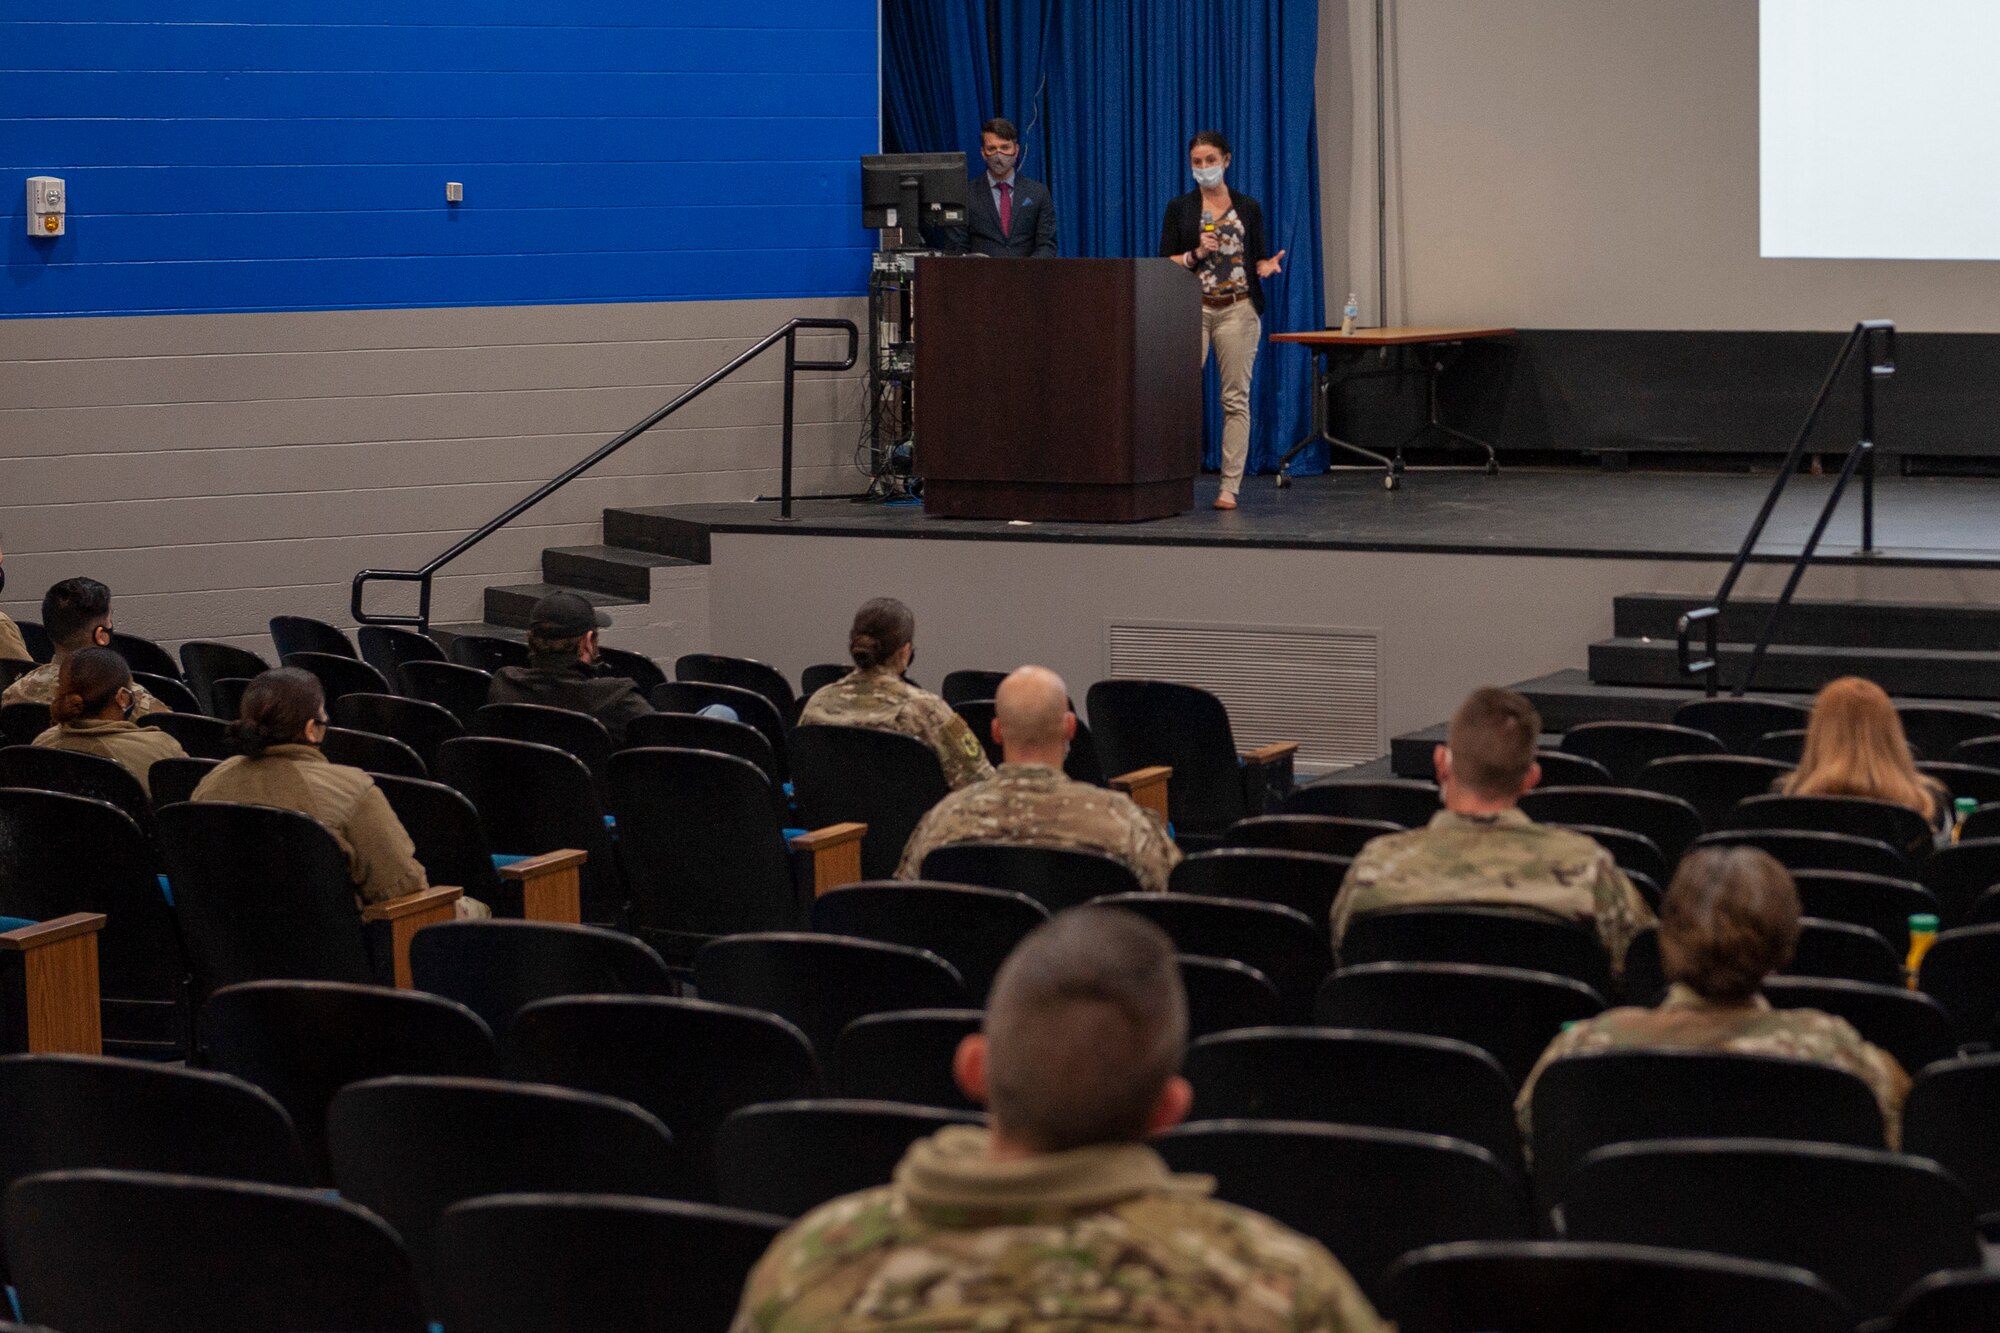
(217, 470)
(1592, 164)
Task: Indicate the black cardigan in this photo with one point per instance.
(1181, 232)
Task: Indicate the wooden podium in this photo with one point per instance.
(1057, 388)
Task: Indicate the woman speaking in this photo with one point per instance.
(1218, 235)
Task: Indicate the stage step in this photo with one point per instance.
(613, 570)
(1829, 624)
(659, 532)
(511, 605)
(1798, 668)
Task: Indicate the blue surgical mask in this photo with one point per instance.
(1208, 177)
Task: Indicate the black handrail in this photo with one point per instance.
(786, 334)
(1877, 338)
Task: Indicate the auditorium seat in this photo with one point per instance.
(201, 737)
(1494, 936)
(303, 1041)
(198, 1253)
(820, 675)
(261, 892)
(451, 846)
(11, 670)
(1584, 1102)
(303, 634)
(1739, 723)
(973, 929)
(959, 686)
(372, 753)
(1883, 905)
(859, 775)
(1328, 835)
(459, 690)
(142, 654)
(1306, 882)
(1055, 877)
(689, 1062)
(1395, 801)
(1391, 1080)
(1626, 747)
(1949, 1118)
(1670, 822)
(533, 1263)
(1965, 1301)
(745, 674)
(1981, 751)
(1983, 822)
(978, 716)
(387, 647)
(229, 692)
(174, 780)
(1570, 770)
(486, 652)
(73, 773)
(421, 726)
(408, 1147)
(573, 733)
(203, 663)
(168, 690)
(1972, 782)
(1839, 951)
(535, 799)
(1935, 731)
(338, 674)
(1279, 942)
(1577, 1287)
(1369, 1195)
(37, 640)
(1711, 783)
(1961, 971)
(1909, 1025)
(1959, 873)
(642, 671)
(1762, 1199)
(1509, 1012)
(20, 723)
(752, 709)
(1140, 724)
(1224, 995)
(824, 982)
(1796, 849)
(1634, 853)
(692, 731)
(62, 854)
(1883, 821)
(787, 1158)
(906, 1056)
(1645, 979)
(1785, 747)
(496, 968)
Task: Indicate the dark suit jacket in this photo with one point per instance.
(1033, 235)
(1181, 232)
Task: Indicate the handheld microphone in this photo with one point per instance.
(1207, 227)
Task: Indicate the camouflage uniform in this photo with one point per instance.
(1503, 860)
(1038, 805)
(1686, 1020)
(883, 700)
(13, 648)
(39, 687)
(1098, 1238)
(137, 748)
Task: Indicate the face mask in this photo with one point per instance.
(1000, 164)
(3, 578)
(1208, 177)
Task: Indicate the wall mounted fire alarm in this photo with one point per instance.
(48, 206)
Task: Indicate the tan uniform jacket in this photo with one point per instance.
(345, 801)
(39, 687)
(1038, 805)
(885, 701)
(1098, 1238)
(137, 748)
(13, 648)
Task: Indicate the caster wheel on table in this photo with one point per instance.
(1492, 469)
(1284, 480)
(1392, 482)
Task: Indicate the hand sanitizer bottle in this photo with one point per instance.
(1349, 314)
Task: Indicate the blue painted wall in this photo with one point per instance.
(283, 155)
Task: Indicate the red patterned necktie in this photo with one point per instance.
(1006, 189)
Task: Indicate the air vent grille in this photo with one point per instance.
(1319, 687)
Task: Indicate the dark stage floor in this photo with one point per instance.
(1667, 516)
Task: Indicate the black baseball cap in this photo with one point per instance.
(565, 615)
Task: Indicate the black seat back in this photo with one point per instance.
(201, 1253)
(1962, 972)
(1142, 723)
(372, 753)
(1495, 936)
(786, 1158)
(742, 672)
(1055, 877)
(1786, 747)
(959, 686)
(338, 674)
(1935, 731)
(459, 690)
(535, 799)
(303, 1041)
(202, 737)
(74, 773)
(883, 779)
(203, 664)
(174, 780)
(261, 893)
(1669, 821)
(973, 929)
(303, 634)
(1798, 850)
(642, 671)
(1511, 1013)
(386, 648)
(450, 840)
(1899, 826)
(824, 982)
(1951, 1302)
(1561, 769)
(1711, 783)
(906, 1056)
(1949, 1118)
(1400, 801)
(573, 733)
(1635, 853)
(142, 654)
(1328, 835)
(1843, 952)
(1739, 723)
(1626, 747)
(1277, 941)
(1910, 1026)
(20, 723)
(1306, 882)
(1959, 874)
(421, 726)
(487, 652)
(1224, 995)
(168, 691)
(497, 968)
(692, 731)
(819, 675)
(37, 640)
(979, 715)
(1883, 905)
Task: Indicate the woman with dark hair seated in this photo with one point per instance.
(1730, 919)
(92, 710)
(277, 735)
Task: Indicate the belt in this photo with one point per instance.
(1224, 302)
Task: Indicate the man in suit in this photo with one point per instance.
(1006, 215)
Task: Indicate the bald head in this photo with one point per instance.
(1031, 717)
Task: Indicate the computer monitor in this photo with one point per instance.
(913, 191)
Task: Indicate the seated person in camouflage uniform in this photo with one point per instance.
(562, 671)
(1729, 919)
(1059, 1215)
(277, 734)
(92, 712)
(13, 648)
(875, 694)
(1481, 850)
(1030, 800)
(76, 614)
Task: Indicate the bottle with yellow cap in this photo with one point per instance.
(1923, 934)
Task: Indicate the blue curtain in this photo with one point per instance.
(937, 75)
(1108, 92)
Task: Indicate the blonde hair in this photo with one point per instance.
(1855, 747)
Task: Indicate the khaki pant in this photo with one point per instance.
(1235, 330)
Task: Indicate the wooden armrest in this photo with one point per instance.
(551, 885)
(1147, 787)
(836, 855)
(52, 972)
(1272, 753)
(407, 915)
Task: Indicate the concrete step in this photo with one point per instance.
(1926, 673)
(512, 604)
(616, 571)
(657, 532)
(1845, 624)
(444, 634)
